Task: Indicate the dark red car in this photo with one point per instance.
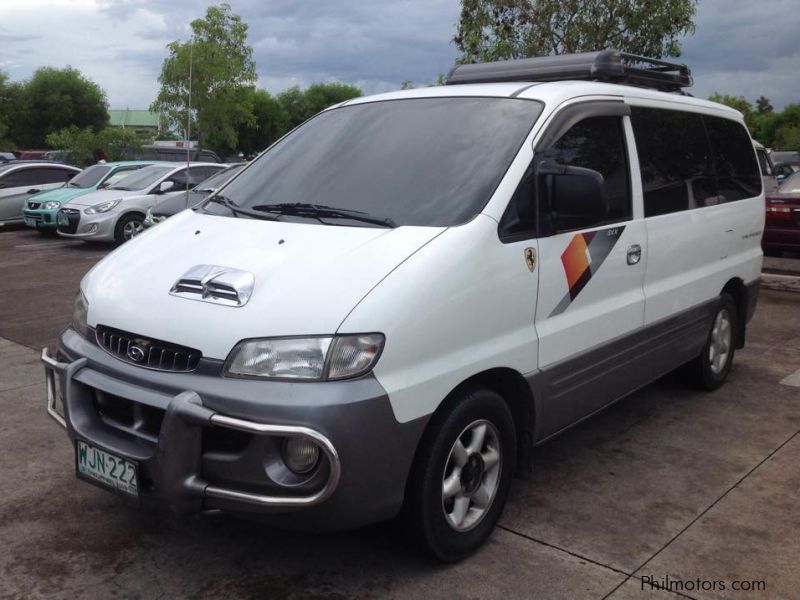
(782, 227)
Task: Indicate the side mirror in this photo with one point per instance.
(33, 191)
(165, 186)
(780, 177)
(576, 196)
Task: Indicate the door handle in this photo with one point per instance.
(634, 254)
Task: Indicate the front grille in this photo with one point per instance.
(68, 219)
(147, 352)
(34, 205)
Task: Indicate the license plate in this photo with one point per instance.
(106, 469)
(30, 222)
(63, 219)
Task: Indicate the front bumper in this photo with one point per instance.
(191, 452)
(40, 218)
(98, 227)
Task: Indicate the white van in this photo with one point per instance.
(388, 309)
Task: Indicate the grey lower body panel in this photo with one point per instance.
(575, 388)
(194, 434)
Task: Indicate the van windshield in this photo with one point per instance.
(422, 161)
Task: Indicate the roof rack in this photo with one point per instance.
(610, 66)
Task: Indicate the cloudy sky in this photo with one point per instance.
(740, 47)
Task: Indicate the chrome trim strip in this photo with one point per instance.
(285, 431)
(50, 366)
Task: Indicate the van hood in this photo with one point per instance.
(101, 196)
(308, 277)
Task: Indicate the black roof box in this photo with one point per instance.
(610, 66)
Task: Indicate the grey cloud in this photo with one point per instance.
(740, 47)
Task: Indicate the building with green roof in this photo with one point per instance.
(143, 122)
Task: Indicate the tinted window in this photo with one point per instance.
(763, 162)
(424, 161)
(735, 163)
(598, 143)
(142, 178)
(89, 177)
(21, 178)
(46, 176)
(674, 159)
(218, 179)
(118, 175)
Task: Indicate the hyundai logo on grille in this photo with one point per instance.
(136, 353)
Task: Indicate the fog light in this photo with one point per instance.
(300, 454)
(92, 228)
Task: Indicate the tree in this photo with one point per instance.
(270, 121)
(763, 105)
(222, 68)
(5, 105)
(54, 99)
(81, 144)
(501, 29)
(85, 146)
(301, 106)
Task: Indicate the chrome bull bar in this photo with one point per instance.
(187, 407)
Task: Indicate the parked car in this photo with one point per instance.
(782, 228)
(784, 170)
(173, 204)
(7, 157)
(175, 154)
(782, 156)
(767, 168)
(19, 180)
(387, 310)
(33, 155)
(40, 209)
(116, 213)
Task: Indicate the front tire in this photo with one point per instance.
(461, 475)
(711, 367)
(128, 227)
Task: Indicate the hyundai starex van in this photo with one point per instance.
(385, 312)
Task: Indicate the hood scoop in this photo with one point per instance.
(215, 284)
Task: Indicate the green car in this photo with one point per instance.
(40, 209)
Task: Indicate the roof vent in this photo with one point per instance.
(611, 66)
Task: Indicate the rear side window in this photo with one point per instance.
(735, 163)
(54, 175)
(20, 178)
(674, 159)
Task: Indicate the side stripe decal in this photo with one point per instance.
(583, 256)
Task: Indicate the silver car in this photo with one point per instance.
(116, 213)
(18, 180)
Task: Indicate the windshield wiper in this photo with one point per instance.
(236, 210)
(317, 211)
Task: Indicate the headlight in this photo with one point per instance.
(51, 205)
(79, 312)
(311, 358)
(101, 208)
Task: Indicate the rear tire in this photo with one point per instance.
(710, 369)
(461, 476)
(128, 227)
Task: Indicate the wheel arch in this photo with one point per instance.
(512, 386)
